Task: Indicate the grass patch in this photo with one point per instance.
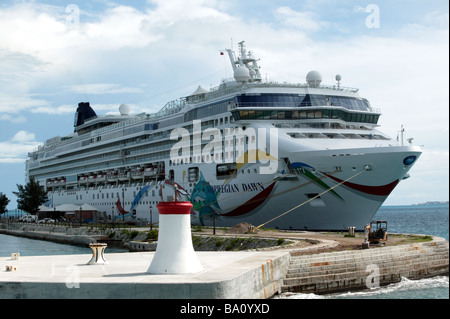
(415, 239)
(212, 243)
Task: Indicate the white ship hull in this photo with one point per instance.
(281, 200)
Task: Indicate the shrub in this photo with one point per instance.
(152, 234)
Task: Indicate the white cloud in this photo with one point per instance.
(306, 21)
(169, 12)
(103, 88)
(16, 149)
(18, 100)
(16, 70)
(436, 19)
(119, 27)
(62, 109)
(12, 119)
(23, 137)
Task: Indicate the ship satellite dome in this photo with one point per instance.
(313, 78)
(124, 109)
(242, 74)
(338, 77)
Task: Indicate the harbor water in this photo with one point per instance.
(417, 219)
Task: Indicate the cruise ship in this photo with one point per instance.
(304, 156)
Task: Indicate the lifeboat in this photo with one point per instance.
(137, 173)
(124, 176)
(83, 180)
(111, 177)
(149, 171)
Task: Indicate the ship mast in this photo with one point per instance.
(245, 67)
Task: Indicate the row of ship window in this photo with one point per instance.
(275, 100)
(310, 114)
(297, 100)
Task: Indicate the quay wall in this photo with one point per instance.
(83, 236)
(368, 268)
(63, 235)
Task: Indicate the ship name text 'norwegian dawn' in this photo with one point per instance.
(290, 156)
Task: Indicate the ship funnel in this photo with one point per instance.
(175, 253)
(84, 112)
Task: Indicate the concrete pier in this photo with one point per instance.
(225, 275)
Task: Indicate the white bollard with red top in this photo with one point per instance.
(175, 253)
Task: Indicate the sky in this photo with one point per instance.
(55, 54)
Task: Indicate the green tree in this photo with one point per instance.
(4, 201)
(30, 197)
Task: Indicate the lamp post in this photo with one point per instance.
(112, 216)
(123, 196)
(151, 221)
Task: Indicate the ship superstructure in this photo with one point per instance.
(292, 156)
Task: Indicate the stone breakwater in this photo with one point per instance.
(368, 268)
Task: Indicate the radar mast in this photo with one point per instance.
(245, 67)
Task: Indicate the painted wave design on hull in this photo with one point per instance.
(382, 190)
(251, 204)
(304, 171)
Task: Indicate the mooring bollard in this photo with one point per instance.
(351, 231)
(15, 256)
(174, 253)
(98, 257)
(365, 243)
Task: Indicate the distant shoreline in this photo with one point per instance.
(426, 204)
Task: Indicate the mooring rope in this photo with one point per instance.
(309, 200)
